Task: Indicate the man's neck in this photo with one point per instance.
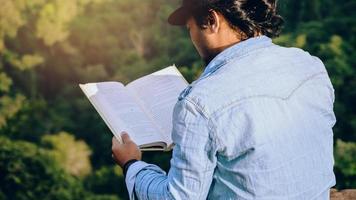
(225, 45)
(215, 52)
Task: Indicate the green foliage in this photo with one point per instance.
(345, 162)
(28, 172)
(26, 61)
(107, 180)
(10, 20)
(9, 106)
(345, 157)
(72, 155)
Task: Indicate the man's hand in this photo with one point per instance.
(126, 151)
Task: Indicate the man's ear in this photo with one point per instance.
(213, 21)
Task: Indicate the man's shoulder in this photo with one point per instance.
(275, 72)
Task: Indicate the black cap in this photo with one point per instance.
(181, 15)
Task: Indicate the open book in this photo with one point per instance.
(142, 108)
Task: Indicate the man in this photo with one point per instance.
(257, 124)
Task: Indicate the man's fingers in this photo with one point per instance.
(125, 137)
(114, 140)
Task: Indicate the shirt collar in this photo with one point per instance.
(235, 51)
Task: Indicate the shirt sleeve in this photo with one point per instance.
(192, 164)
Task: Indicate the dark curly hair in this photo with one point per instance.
(249, 16)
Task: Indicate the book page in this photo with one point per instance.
(121, 112)
(159, 93)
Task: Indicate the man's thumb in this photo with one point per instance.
(125, 137)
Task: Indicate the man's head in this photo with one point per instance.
(217, 24)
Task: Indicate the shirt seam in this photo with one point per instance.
(228, 60)
(211, 126)
(220, 110)
(205, 115)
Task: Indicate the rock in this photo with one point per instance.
(348, 194)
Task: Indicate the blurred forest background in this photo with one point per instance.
(54, 145)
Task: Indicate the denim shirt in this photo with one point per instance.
(257, 124)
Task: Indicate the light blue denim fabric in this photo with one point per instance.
(257, 124)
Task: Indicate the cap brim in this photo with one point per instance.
(179, 17)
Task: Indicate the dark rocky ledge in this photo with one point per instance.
(348, 194)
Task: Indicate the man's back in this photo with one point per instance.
(257, 124)
(270, 111)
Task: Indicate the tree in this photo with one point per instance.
(72, 155)
(29, 172)
(107, 180)
(345, 162)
